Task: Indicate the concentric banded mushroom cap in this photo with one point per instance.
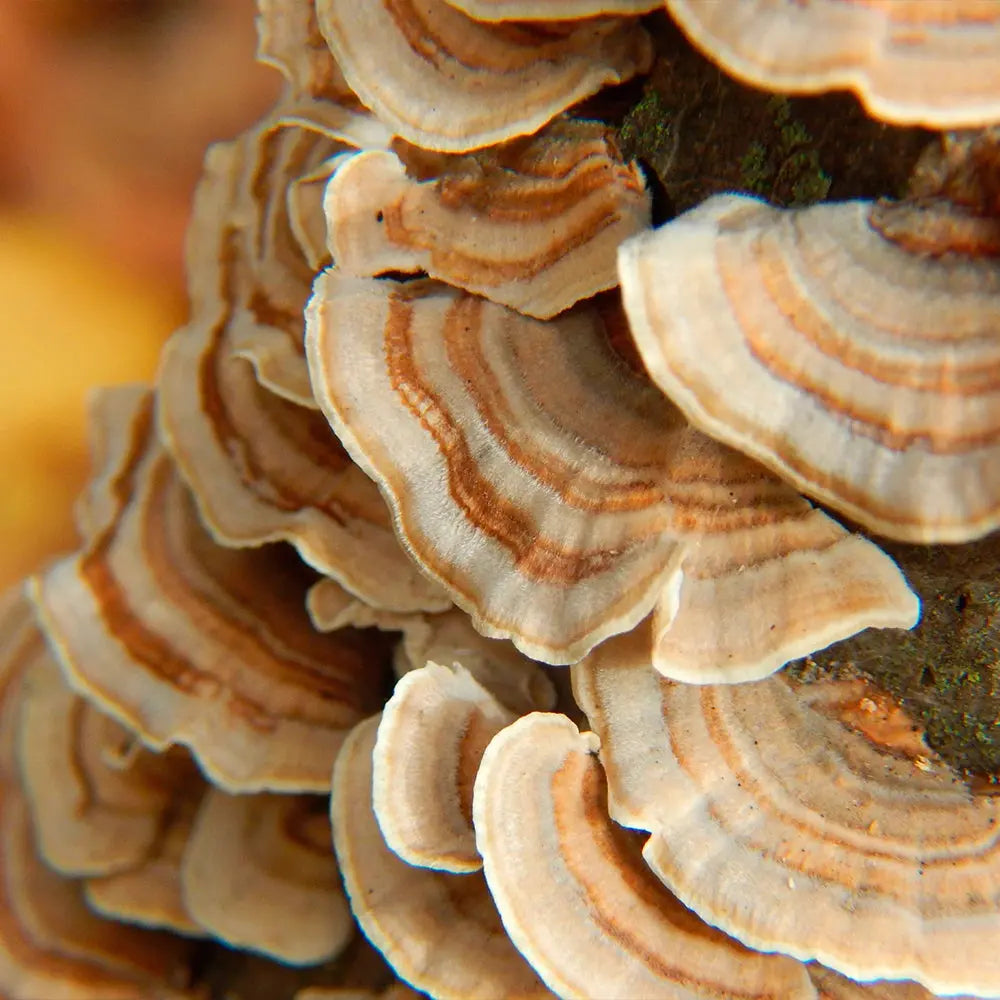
(186, 642)
(559, 497)
(549, 10)
(97, 797)
(862, 372)
(433, 732)
(534, 224)
(262, 468)
(574, 893)
(259, 873)
(439, 931)
(443, 81)
(793, 817)
(51, 944)
(926, 62)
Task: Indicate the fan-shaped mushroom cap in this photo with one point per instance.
(556, 494)
(445, 82)
(97, 797)
(186, 642)
(262, 468)
(439, 931)
(51, 945)
(259, 873)
(534, 224)
(860, 371)
(792, 817)
(574, 893)
(433, 732)
(833, 986)
(922, 62)
(151, 894)
(549, 10)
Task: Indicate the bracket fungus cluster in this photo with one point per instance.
(414, 451)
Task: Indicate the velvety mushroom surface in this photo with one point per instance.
(534, 224)
(862, 371)
(187, 642)
(443, 81)
(433, 732)
(439, 931)
(926, 62)
(803, 818)
(559, 497)
(575, 894)
(258, 871)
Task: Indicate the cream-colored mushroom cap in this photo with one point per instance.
(433, 732)
(439, 931)
(51, 944)
(861, 371)
(533, 224)
(794, 818)
(559, 497)
(259, 873)
(97, 797)
(187, 642)
(443, 81)
(549, 10)
(262, 468)
(920, 62)
(574, 893)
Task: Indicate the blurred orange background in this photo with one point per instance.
(106, 108)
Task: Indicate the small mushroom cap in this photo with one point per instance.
(186, 642)
(794, 817)
(574, 893)
(860, 371)
(534, 224)
(433, 732)
(442, 81)
(51, 944)
(919, 62)
(439, 931)
(259, 873)
(557, 495)
(549, 10)
(97, 797)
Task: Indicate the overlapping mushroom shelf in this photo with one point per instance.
(302, 688)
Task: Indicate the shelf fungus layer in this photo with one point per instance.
(258, 872)
(442, 81)
(858, 367)
(534, 224)
(559, 498)
(433, 732)
(438, 930)
(98, 797)
(261, 467)
(573, 890)
(51, 943)
(809, 819)
(187, 642)
(919, 62)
